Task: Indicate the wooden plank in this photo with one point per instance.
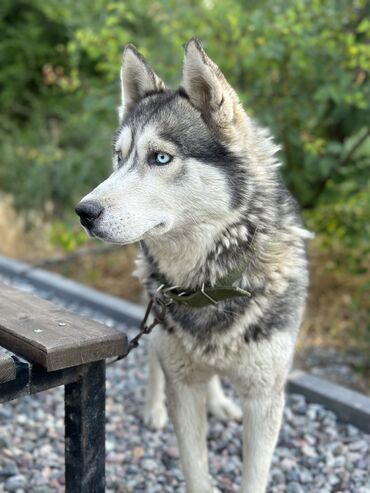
(7, 368)
(33, 378)
(20, 385)
(52, 336)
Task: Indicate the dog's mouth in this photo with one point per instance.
(159, 228)
(94, 231)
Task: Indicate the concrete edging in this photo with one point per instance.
(350, 406)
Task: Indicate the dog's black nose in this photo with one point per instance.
(88, 211)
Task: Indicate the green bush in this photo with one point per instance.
(55, 121)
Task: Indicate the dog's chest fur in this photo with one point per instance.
(276, 275)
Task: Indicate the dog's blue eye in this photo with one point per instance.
(162, 158)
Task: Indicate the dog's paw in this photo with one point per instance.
(156, 417)
(225, 409)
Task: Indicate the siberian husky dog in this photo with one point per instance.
(196, 181)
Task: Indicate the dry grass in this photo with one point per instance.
(338, 305)
(12, 229)
(17, 241)
(110, 272)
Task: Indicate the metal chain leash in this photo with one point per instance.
(144, 327)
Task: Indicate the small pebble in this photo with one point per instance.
(15, 483)
(8, 469)
(294, 487)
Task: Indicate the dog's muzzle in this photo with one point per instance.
(89, 211)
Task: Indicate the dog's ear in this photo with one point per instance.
(137, 79)
(207, 87)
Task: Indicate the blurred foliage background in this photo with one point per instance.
(300, 67)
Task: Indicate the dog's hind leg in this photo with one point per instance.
(155, 416)
(261, 422)
(187, 408)
(219, 404)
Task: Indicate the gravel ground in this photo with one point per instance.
(315, 454)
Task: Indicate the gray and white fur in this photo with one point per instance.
(218, 201)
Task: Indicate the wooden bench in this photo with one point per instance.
(50, 347)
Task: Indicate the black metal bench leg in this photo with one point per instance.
(85, 431)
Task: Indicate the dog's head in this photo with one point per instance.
(175, 154)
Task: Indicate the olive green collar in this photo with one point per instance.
(210, 295)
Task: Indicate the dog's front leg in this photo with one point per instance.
(187, 408)
(261, 423)
(155, 406)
